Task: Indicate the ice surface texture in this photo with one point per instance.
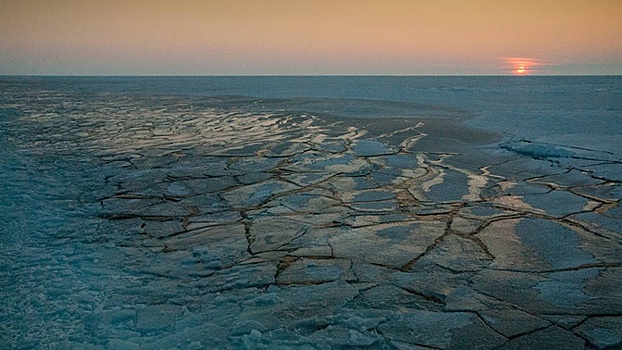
(159, 221)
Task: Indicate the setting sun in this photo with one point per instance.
(524, 65)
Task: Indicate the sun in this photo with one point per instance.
(521, 66)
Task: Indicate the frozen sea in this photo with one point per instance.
(310, 212)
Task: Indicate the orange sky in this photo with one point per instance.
(310, 37)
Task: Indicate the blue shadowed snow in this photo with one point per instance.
(538, 150)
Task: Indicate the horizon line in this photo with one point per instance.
(309, 75)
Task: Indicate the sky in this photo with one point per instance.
(310, 37)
